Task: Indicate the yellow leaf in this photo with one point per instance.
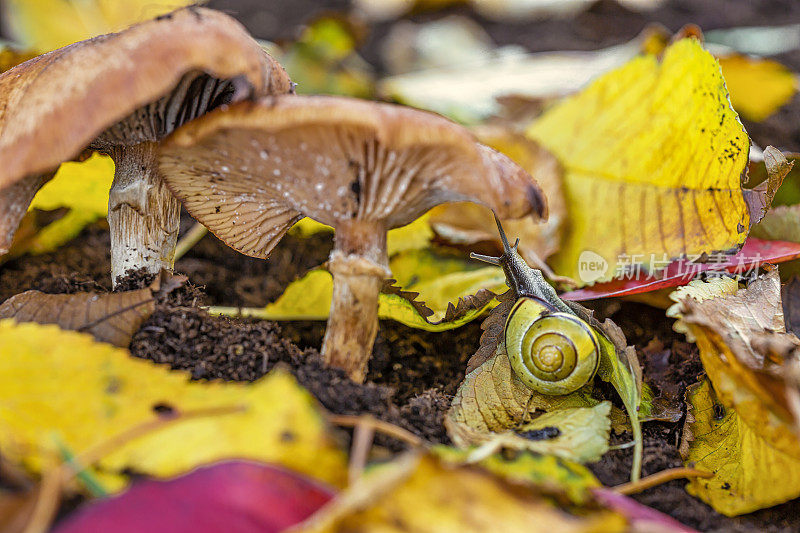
(744, 349)
(749, 474)
(80, 187)
(309, 298)
(323, 60)
(758, 86)
(654, 156)
(423, 493)
(414, 236)
(49, 24)
(546, 474)
(493, 407)
(61, 388)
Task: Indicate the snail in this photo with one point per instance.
(551, 349)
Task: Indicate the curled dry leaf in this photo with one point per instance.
(745, 350)
(112, 317)
(759, 199)
(417, 491)
(109, 392)
(465, 223)
(492, 406)
(749, 473)
(658, 170)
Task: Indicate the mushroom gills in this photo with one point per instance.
(197, 93)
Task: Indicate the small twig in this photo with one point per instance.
(47, 502)
(359, 450)
(189, 239)
(635, 487)
(378, 425)
(623, 446)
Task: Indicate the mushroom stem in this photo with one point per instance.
(142, 214)
(358, 264)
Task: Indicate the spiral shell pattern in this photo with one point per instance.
(552, 353)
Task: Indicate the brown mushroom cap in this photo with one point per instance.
(250, 171)
(55, 105)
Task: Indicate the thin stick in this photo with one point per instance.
(189, 239)
(635, 487)
(359, 451)
(47, 502)
(378, 425)
(104, 448)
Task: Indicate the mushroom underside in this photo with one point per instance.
(143, 215)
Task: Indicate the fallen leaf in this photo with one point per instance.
(422, 493)
(758, 86)
(744, 349)
(323, 60)
(700, 290)
(656, 172)
(470, 223)
(640, 517)
(112, 317)
(759, 198)
(754, 253)
(81, 187)
(45, 25)
(62, 390)
(568, 482)
(429, 307)
(749, 473)
(493, 406)
(231, 496)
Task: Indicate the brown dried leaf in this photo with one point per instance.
(466, 305)
(111, 317)
(749, 357)
(492, 327)
(759, 198)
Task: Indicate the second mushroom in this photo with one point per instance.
(251, 171)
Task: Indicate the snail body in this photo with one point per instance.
(552, 350)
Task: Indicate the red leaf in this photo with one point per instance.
(753, 254)
(641, 517)
(235, 497)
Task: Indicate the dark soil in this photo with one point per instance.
(413, 374)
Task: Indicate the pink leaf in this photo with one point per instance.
(753, 254)
(235, 497)
(643, 517)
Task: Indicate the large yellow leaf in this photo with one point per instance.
(749, 474)
(61, 389)
(49, 24)
(423, 493)
(654, 156)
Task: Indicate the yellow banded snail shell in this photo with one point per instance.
(551, 352)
